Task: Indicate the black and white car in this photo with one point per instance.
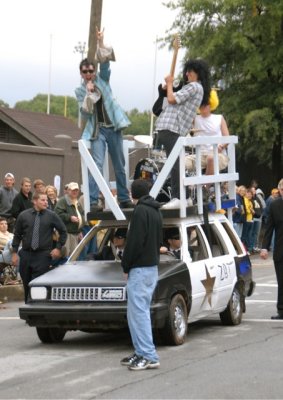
(212, 276)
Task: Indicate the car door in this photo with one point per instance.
(196, 255)
(221, 264)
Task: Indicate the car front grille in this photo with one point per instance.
(88, 294)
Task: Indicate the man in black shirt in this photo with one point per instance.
(34, 229)
(23, 199)
(275, 223)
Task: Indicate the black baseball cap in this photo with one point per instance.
(121, 233)
(172, 233)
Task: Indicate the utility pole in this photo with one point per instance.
(95, 21)
(49, 77)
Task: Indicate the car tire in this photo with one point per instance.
(175, 329)
(233, 313)
(51, 335)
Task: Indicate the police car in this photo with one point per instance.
(213, 275)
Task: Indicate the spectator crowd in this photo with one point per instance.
(69, 208)
(250, 215)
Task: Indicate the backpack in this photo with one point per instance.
(257, 207)
(260, 198)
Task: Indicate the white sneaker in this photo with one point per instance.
(173, 203)
(190, 202)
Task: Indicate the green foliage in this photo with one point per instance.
(256, 124)
(140, 123)
(58, 105)
(242, 42)
(3, 104)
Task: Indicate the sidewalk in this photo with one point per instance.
(11, 293)
(257, 261)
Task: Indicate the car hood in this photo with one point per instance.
(83, 273)
(96, 273)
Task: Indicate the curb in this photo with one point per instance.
(11, 293)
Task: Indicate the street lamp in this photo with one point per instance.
(81, 49)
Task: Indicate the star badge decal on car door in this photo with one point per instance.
(208, 283)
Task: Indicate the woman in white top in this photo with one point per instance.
(208, 124)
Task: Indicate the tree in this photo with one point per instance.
(140, 122)
(3, 104)
(242, 42)
(58, 105)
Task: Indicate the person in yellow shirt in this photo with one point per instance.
(248, 223)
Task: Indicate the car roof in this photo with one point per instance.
(191, 219)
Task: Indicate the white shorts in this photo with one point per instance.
(190, 161)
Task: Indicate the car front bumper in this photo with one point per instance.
(85, 316)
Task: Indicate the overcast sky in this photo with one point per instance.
(30, 28)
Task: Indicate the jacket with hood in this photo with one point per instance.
(144, 236)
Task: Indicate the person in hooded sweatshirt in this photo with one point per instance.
(140, 264)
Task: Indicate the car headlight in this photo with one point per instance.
(38, 293)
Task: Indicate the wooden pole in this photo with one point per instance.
(65, 107)
(95, 21)
(254, 8)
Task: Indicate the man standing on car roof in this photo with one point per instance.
(139, 262)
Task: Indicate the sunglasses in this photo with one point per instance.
(90, 71)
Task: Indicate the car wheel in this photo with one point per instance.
(51, 335)
(232, 315)
(176, 325)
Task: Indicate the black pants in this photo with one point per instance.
(279, 275)
(168, 140)
(32, 265)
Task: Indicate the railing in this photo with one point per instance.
(198, 180)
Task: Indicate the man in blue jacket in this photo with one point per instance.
(103, 120)
(140, 264)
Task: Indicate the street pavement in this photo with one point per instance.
(216, 362)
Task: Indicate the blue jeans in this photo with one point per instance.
(255, 233)
(114, 141)
(246, 235)
(272, 241)
(238, 226)
(140, 287)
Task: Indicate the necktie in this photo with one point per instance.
(176, 253)
(35, 232)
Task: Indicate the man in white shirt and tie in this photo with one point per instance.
(116, 248)
(173, 243)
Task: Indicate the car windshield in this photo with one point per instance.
(100, 243)
(104, 242)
